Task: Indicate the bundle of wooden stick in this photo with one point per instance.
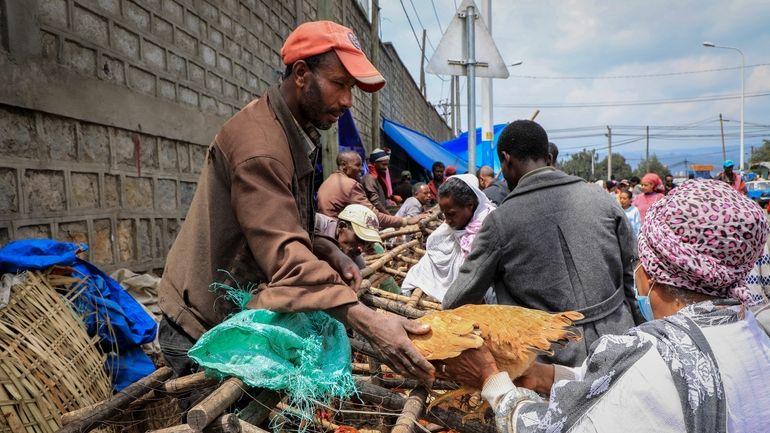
(385, 402)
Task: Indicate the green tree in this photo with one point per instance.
(620, 168)
(579, 164)
(761, 153)
(653, 165)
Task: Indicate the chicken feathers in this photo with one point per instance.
(514, 335)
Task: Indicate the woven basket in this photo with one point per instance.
(48, 363)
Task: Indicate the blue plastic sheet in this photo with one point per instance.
(121, 323)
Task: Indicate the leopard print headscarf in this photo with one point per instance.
(705, 237)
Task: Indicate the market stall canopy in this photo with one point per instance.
(424, 150)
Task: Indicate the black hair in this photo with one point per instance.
(553, 150)
(523, 140)
(312, 63)
(635, 179)
(460, 192)
(627, 191)
(437, 164)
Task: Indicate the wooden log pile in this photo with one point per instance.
(385, 402)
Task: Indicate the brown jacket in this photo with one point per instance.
(338, 191)
(251, 216)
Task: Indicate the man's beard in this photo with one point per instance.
(311, 103)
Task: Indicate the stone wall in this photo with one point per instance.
(109, 106)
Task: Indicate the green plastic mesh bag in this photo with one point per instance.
(306, 355)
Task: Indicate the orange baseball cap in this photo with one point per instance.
(317, 37)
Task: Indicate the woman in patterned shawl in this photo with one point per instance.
(699, 365)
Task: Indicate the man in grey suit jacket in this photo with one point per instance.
(554, 244)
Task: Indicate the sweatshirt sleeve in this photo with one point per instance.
(262, 198)
(479, 270)
(358, 196)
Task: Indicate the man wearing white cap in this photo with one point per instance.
(353, 229)
(252, 214)
(377, 182)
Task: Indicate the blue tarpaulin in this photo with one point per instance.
(122, 324)
(349, 138)
(424, 150)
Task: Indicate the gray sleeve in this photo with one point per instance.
(478, 272)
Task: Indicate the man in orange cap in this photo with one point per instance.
(252, 214)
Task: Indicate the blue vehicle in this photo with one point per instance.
(759, 191)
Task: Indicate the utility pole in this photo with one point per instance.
(470, 64)
(375, 50)
(422, 64)
(452, 107)
(487, 113)
(647, 150)
(593, 158)
(609, 153)
(722, 128)
(457, 104)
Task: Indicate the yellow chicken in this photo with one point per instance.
(514, 335)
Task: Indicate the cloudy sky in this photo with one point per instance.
(590, 63)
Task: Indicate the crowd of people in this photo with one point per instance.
(658, 271)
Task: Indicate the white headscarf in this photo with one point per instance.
(447, 248)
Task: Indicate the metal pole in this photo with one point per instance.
(722, 128)
(609, 153)
(375, 37)
(453, 81)
(743, 96)
(647, 151)
(470, 25)
(593, 158)
(487, 109)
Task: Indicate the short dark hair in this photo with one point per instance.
(553, 150)
(437, 164)
(635, 179)
(627, 191)
(345, 155)
(523, 140)
(312, 63)
(460, 192)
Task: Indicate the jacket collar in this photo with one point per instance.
(298, 141)
(541, 179)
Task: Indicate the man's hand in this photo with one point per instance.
(347, 268)
(415, 219)
(388, 334)
(325, 250)
(472, 367)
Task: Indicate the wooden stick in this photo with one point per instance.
(409, 260)
(395, 272)
(358, 345)
(416, 295)
(212, 406)
(188, 383)
(401, 298)
(112, 407)
(408, 230)
(369, 270)
(420, 251)
(225, 423)
(250, 428)
(259, 409)
(405, 383)
(363, 367)
(392, 306)
(389, 400)
(413, 410)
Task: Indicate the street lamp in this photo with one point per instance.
(743, 88)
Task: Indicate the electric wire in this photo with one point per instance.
(617, 77)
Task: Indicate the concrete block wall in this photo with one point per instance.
(111, 104)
